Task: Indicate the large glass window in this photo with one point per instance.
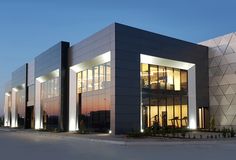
(50, 104)
(153, 77)
(164, 96)
(93, 103)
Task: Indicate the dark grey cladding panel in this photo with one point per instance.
(93, 46)
(130, 42)
(19, 76)
(50, 60)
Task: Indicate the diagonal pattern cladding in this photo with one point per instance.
(222, 79)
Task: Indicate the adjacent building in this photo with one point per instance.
(222, 80)
(119, 80)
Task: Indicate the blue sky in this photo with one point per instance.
(29, 27)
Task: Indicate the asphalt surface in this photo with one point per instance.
(37, 146)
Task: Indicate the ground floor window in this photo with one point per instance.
(50, 104)
(165, 111)
(93, 98)
(164, 97)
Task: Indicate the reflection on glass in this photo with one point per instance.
(94, 103)
(50, 103)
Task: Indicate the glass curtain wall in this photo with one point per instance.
(20, 106)
(50, 104)
(93, 98)
(164, 96)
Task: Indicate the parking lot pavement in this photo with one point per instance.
(32, 146)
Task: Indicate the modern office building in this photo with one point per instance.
(118, 80)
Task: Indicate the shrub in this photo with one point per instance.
(224, 132)
(1, 121)
(232, 132)
(134, 134)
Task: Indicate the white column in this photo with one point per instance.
(73, 120)
(38, 119)
(14, 119)
(6, 111)
(192, 98)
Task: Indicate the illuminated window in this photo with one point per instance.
(177, 79)
(90, 80)
(162, 112)
(177, 111)
(162, 77)
(184, 80)
(170, 111)
(185, 111)
(153, 77)
(170, 79)
(144, 76)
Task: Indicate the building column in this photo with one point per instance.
(73, 117)
(192, 98)
(14, 119)
(38, 119)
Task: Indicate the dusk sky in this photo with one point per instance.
(27, 27)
